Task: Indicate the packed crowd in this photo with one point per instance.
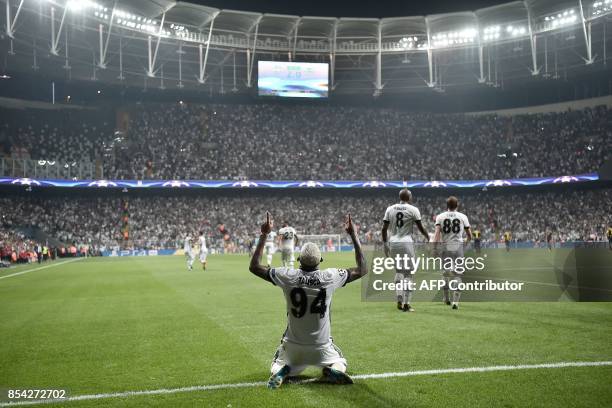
(17, 247)
(231, 222)
(288, 142)
(265, 141)
(61, 136)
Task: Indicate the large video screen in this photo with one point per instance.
(293, 79)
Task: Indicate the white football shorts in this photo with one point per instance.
(299, 356)
(402, 248)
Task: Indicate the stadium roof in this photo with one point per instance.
(167, 43)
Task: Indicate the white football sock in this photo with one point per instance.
(338, 367)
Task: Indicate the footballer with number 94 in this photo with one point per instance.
(308, 292)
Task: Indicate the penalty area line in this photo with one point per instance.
(212, 387)
(40, 268)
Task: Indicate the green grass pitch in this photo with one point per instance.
(146, 323)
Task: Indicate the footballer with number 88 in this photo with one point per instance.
(308, 293)
(450, 227)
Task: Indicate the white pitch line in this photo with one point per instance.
(40, 268)
(212, 387)
(485, 369)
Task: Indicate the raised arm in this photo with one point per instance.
(361, 269)
(255, 267)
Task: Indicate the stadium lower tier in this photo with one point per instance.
(231, 220)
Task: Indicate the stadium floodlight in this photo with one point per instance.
(407, 42)
(78, 5)
(491, 33)
(602, 6)
(560, 19)
(467, 35)
(516, 31)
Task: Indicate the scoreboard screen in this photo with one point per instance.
(293, 79)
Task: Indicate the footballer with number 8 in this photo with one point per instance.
(399, 220)
(308, 293)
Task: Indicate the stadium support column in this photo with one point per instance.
(586, 29)
(153, 54)
(481, 78)
(295, 36)
(104, 45)
(10, 25)
(430, 61)
(332, 56)
(203, 61)
(532, 40)
(121, 77)
(66, 52)
(248, 65)
(234, 89)
(251, 54)
(378, 86)
(56, 37)
(180, 65)
(34, 57)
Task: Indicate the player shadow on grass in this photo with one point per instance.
(359, 393)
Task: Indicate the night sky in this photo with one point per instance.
(356, 8)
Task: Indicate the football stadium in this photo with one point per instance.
(186, 185)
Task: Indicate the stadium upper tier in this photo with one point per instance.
(184, 44)
(281, 142)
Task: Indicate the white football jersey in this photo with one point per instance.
(452, 224)
(309, 297)
(271, 237)
(287, 235)
(187, 245)
(202, 242)
(401, 218)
